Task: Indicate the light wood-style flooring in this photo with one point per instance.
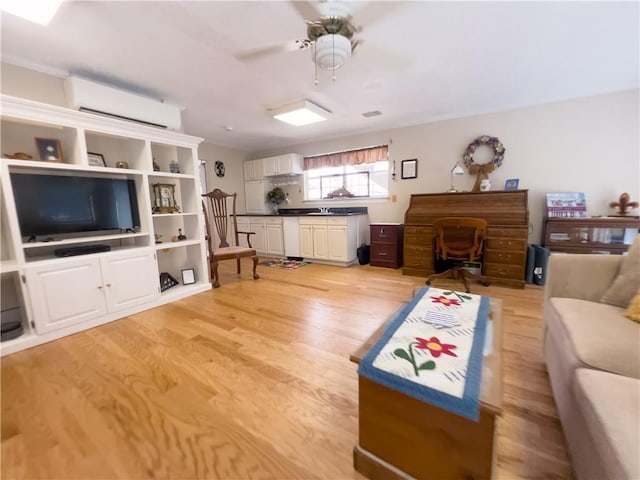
(251, 380)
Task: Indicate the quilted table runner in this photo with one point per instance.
(432, 350)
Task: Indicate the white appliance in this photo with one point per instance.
(291, 231)
(95, 97)
(255, 192)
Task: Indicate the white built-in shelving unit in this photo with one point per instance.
(57, 296)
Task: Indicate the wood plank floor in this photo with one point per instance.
(251, 380)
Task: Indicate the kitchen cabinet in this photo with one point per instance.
(99, 284)
(329, 238)
(256, 196)
(253, 169)
(274, 236)
(386, 245)
(288, 164)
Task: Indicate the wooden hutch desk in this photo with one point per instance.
(507, 214)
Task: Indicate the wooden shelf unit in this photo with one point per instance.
(596, 235)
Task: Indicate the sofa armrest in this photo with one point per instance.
(581, 276)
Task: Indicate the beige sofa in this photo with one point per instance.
(592, 352)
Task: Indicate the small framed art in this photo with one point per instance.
(49, 150)
(188, 276)
(409, 168)
(511, 184)
(96, 160)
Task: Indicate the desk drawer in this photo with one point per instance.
(511, 232)
(515, 272)
(514, 244)
(504, 256)
(385, 234)
(421, 257)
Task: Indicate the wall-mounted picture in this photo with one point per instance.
(511, 184)
(409, 168)
(49, 150)
(188, 276)
(96, 160)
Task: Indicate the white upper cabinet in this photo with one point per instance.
(288, 164)
(253, 169)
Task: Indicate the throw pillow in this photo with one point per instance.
(627, 282)
(633, 312)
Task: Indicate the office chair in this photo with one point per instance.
(222, 214)
(460, 239)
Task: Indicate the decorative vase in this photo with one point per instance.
(275, 207)
(485, 185)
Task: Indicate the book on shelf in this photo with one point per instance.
(566, 205)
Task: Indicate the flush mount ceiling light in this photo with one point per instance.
(37, 11)
(300, 113)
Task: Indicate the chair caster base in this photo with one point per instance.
(428, 282)
(256, 276)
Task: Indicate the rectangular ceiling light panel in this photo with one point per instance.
(300, 113)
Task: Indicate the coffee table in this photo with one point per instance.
(401, 437)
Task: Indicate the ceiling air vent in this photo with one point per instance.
(373, 113)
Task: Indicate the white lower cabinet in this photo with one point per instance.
(68, 292)
(329, 238)
(268, 238)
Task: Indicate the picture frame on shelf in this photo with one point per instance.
(511, 183)
(188, 276)
(96, 159)
(409, 169)
(49, 150)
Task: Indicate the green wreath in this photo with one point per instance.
(493, 142)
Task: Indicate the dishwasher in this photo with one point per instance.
(291, 233)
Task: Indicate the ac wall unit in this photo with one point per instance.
(94, 97)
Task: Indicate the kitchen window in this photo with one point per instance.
(362, 173)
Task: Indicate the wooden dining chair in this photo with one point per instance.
(459, 239)
(223, 216)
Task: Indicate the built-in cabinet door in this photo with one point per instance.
(306, 241)
(66, 293)
(253, 169)
(129, 279)
(271, 166)
(259, 240)
(320, 240)
(337, 243)
(275, 243)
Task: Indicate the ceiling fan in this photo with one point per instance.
(330, 31)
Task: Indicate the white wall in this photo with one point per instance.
(589, 145)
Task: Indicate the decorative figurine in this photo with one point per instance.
(180, 235)
(623, 204)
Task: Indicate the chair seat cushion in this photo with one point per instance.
(224, 253)
(609, 404)
(601, 337)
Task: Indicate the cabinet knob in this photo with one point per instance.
(99, 287)
(108, 284)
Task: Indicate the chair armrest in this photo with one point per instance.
(581, 276)
(248, 236)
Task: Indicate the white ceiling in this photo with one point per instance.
(418, 61)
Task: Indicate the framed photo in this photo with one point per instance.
(49, 150)
(96, 160)
(188, 276)
(409, 168)
(511, 184)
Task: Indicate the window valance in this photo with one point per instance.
(352, 157)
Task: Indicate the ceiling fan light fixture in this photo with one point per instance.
(332, 51)
(300, 113)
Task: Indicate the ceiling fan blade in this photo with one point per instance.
(261, 52)
(305, 9)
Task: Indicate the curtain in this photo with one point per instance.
(351, 157)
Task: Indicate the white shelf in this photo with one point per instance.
(180, 291)
(93, 238)
(7, 266)
(27, 339)
(35, 164)
(42, 259)
(183, 214)
(178, 244)
(171, 175)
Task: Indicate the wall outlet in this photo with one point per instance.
(394, 198)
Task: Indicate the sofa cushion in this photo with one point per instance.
(633, 310)
(609, 403)
(600, 335)
(627, 282)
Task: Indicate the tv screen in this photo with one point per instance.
(55, 205)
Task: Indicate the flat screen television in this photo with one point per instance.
(50, 205)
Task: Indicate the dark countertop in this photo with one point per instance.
(303, 212)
